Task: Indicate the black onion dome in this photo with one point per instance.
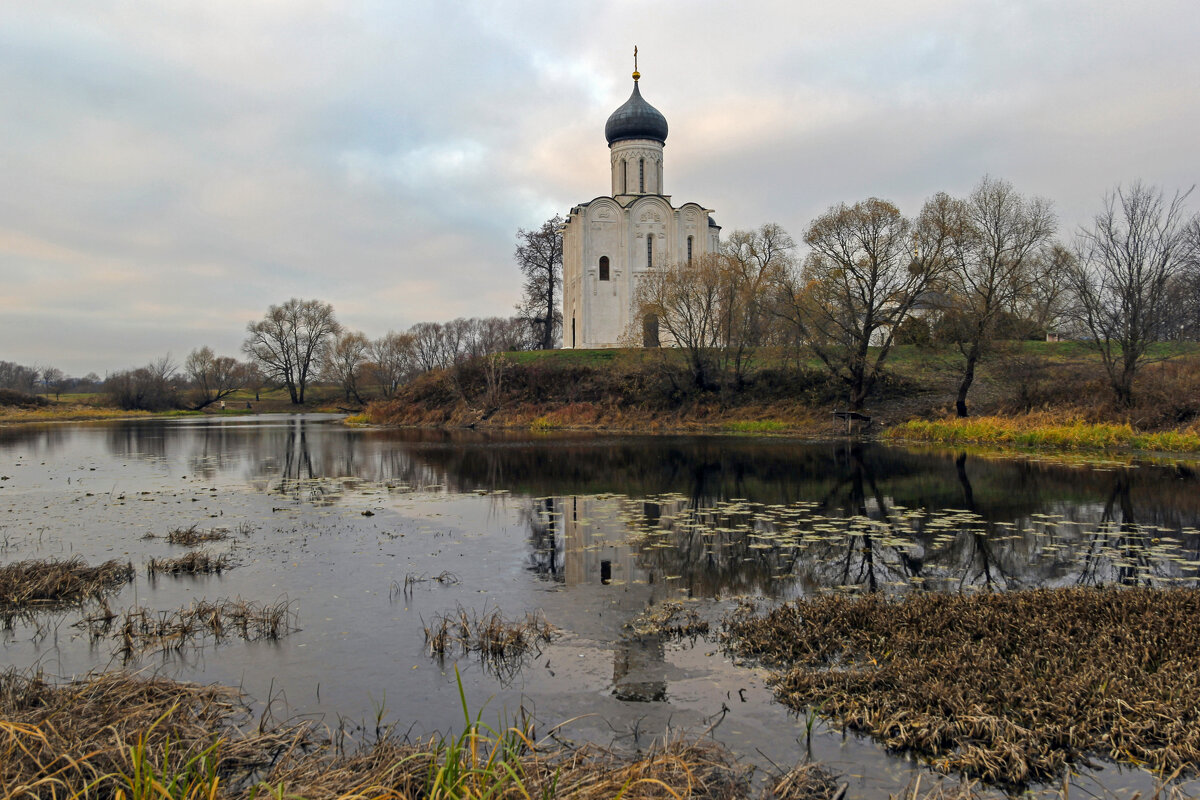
(637, 119)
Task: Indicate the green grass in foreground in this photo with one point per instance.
(1071, 435)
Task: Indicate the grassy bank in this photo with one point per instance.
(1045, 431)
(1035, 394)
(1008, 687)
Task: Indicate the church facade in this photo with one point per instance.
(611, 241)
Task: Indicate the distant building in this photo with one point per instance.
(610, 241)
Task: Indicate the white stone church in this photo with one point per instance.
(610, 241)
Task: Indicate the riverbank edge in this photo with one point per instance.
(1028, 433)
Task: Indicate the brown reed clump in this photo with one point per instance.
(140, 629)
(1010, 688)
(106, 734)
(193, 535)
(53, 584)
(78, 739)
(671, 620)
(511, 766)
(195, 563)
(501, 643)
(806, 782)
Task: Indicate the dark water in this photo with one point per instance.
(589, 530)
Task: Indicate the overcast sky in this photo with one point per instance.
(168, 170)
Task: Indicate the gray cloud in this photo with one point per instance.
(171, 170)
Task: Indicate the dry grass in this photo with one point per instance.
(119, 735)
(140, 629)
(192, 536)
(194, 563)
(671, 620)
(1010, 688)
(53, 584)
(806, 782)
(94, 737)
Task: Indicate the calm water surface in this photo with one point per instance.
(590, 530)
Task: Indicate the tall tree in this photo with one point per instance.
(289, 342)
(1000, 236)
(859, 282)
(1126, 262)
(754, 262)
(539, 256)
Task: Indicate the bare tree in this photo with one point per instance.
(17, 377)
(53, 380)
(213, 377)
(754, 262)
(1126, 262)
(393, 361)
(289, 342)
(428, 349)
(685, 300)
(860, 281)
(1046, 306)
(150, 388)
(345, 361)
(539, 256)
(1000, 234)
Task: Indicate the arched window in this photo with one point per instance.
(624, 177)
(603, 268)
(650, 250)
(689, 249)
(641, 175)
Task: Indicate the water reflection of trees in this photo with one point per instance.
(701, 546)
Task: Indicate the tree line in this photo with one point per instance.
(965, 272)
(296, 344)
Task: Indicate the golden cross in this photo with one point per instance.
(635, 58)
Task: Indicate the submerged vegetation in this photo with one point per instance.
(141, 629)
(193, 535)
(194, 563)
(671, 620)
(501, 643)
(1007, 687)
(53, 584)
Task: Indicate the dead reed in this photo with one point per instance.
(193, 535)
(53, 584)
(1010, 688)
(140, 629)
(501, 643)
(117, 734)
(807, 782)
(669, 619)
(93, 737)
(195, 563)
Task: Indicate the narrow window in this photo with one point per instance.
(603, 268)
(624, 177)
(572, 331)
(642, 175)
(689, 249)
(650, 250)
